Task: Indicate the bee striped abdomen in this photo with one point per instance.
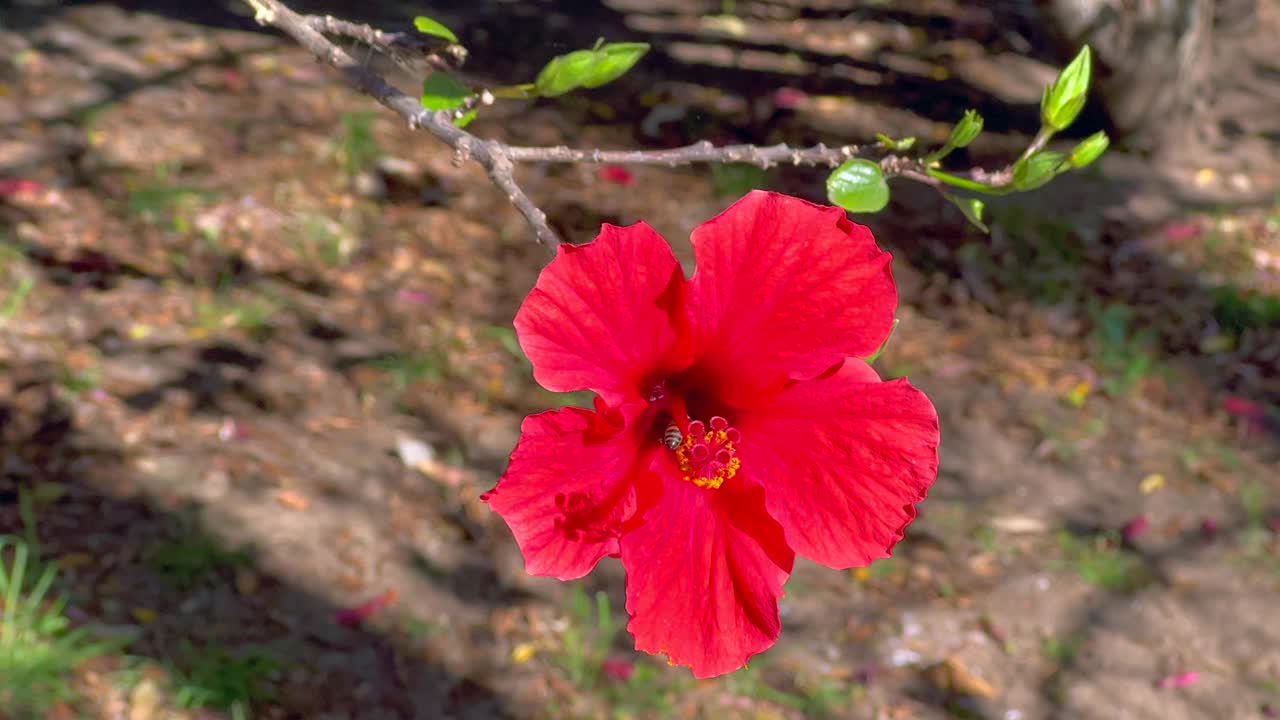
(672, 437)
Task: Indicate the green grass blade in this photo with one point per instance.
(13, 582)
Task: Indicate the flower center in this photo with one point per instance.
(708, 455)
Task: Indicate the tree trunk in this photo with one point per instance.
(1152, 58)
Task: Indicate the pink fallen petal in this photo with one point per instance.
(360, 613)
(1179, 231)
(1274, 525)
(1134, 528)
(1243, 408)
(618, 669)
(616, 174)
(417, 297)
(789, 98)
(231, 430)
(20, 187)
(1209, 528)
(1178, 681)
(233, 80)
(1251, 411)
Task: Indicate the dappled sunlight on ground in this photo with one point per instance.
(258, 366)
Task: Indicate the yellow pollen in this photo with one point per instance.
(709, 471)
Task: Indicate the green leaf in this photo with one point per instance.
(466, 119)
(858, 186)
(1032, 172)
(972, 209)
(441, 92)
(961, 135)
(565, 73)
(427, 26)
(615, 59)
(1089, 149)
(1064, 98)
(588, 68)
(889, 143)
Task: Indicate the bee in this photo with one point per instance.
(672, 437)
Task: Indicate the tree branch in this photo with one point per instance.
(699, 152)
(489, 153)
(438, 53)
(498, 158)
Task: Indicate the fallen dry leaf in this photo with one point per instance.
(1151, 483)
(144, 701)
(1018, 524)
(143, 615)
(522, 653)
(952, 676)
(292, 500)
(246, 581)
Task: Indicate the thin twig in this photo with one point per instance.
(438, 52)
(993, 178)
(498, 158)
(699, 152)
(910, 168)
(489, 153)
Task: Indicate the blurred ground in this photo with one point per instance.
(258, 366)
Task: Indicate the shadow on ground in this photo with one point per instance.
(262, 489)
(205, 609)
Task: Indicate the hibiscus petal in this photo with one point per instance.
(597, 318)
(704, 573)
(785, 288)
(568, 490)
(843, 459)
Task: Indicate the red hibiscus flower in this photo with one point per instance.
(734, 426)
